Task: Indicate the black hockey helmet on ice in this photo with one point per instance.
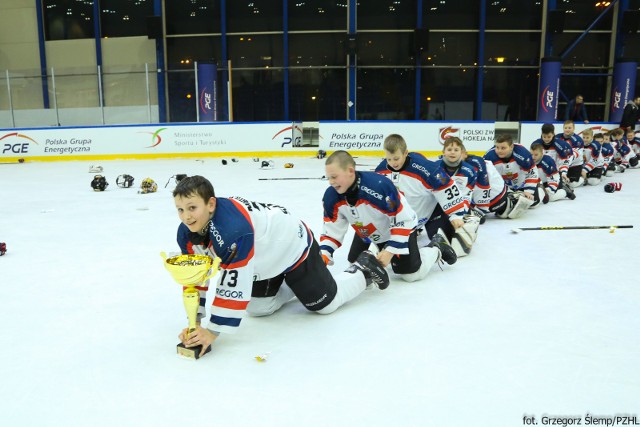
(124, 181)
(99, 183)
(267, 164)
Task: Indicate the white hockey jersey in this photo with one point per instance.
(255, 241)
(518, 171)
(425, 185)
(379, 214)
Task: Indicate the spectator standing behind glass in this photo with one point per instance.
(576, 110)
(630, 114)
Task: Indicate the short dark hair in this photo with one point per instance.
(548, 128)
(617, 132)
(536, 146)
(195, 185)
(505, 138)
(342, 158)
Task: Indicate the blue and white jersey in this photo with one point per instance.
(607, 152)
(518, 170)
(425, 185)
(255, 241)
(548, 173)
(379, 214)
(489, 186)
(592, 157)
(560, 151)
(465, 178)
(577, 144)
(624, 153)
(634, 143)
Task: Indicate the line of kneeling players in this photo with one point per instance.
(510, 179)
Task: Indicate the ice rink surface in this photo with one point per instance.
(541, 322)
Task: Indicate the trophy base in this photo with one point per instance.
(191, 352)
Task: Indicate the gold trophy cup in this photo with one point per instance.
(191, 270)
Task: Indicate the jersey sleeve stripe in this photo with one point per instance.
(397, 245)
(400, 231)
(331, 239)
(225, 321)
(230, 304)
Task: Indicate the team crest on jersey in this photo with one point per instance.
(364, 231)
(443, 179)
(233, 251)
(391, 204)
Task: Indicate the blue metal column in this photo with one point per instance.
(285, 56)
(480, 76)
(548, 38)
(43, 55)
(98, 41)
(418, 84)
(160, 69)
(224, 113)
(351, 30)
(620, 38)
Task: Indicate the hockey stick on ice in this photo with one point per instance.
(285, 179)
(577, 227)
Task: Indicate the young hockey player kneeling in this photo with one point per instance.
(520, 174)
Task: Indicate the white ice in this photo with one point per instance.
(541, 322)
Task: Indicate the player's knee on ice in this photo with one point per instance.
(428, 257)
(265, 306)
(558, 195)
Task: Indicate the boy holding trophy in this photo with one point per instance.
(260, 246)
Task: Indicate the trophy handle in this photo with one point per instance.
(214, 268)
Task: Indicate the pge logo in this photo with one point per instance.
(205, 101)
(546, 100)
(155, 138)
(617, 97)
(13, 146)
(447, 132)
(288, 140)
